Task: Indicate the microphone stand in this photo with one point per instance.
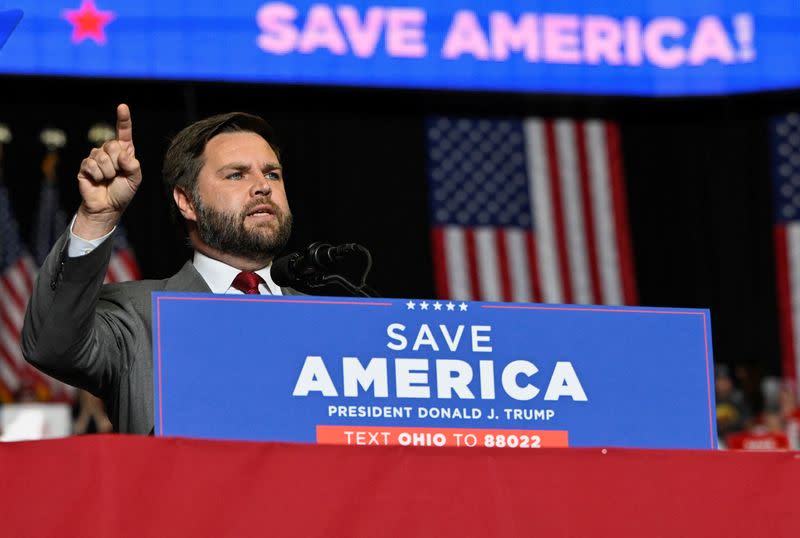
(357, 291)
(318, 280)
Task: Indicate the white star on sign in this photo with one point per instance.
(450, 307)
(410, 305)
(423, 305)
(437, 305)
(463, 307)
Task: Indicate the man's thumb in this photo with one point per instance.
(127, 163)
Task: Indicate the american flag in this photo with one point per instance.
(17, 273)
(123, 266)
(529, 210)
(785, 154)
(49, 225)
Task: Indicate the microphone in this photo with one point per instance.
(312, 263)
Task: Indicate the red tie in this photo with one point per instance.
(247, 282)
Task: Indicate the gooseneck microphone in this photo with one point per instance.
(320, 264)
(317, 258)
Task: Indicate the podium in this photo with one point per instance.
(323, 378)
(433, 373)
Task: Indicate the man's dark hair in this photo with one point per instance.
(184, 158)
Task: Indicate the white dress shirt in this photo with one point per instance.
(218, 275)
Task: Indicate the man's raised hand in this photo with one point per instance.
(108, 178)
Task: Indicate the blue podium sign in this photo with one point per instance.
(439, 373)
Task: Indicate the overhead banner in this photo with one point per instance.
(621, 47)
(431, 373)
(8, 21)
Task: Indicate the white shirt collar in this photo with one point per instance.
(219, 275)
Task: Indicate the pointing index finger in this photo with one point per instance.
(124, 124)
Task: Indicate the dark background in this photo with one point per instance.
(697, 173)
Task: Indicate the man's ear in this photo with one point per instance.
(185, 204)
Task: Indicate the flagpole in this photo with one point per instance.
(53, 140)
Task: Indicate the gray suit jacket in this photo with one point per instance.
(99, 337)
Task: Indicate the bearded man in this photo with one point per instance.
(225, 177)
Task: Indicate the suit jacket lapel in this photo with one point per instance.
(187, 279)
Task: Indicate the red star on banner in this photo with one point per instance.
(88, 22)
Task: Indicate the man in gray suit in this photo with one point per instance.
(226, 180)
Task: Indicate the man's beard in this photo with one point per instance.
(227, 233)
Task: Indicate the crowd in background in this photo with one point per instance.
(755, 412)
(32, 415)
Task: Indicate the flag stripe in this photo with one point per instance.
(10, 345)
(603, 211)
(111, 275)
(620, 213)
(536, 282)
(539, 179)
(589, 215)
(472, 265)
(130, 269)
(487, 256)
(573, 212)
(12, 354)
(9, 357)
(456, 256)
(14, 286)
(8, 377)
(13, 313)
(439, 262)
(520, 271)
(117, 270)
(793, 258)
(558, 212)
(784, 304)
(10, 329)
(503, 261)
